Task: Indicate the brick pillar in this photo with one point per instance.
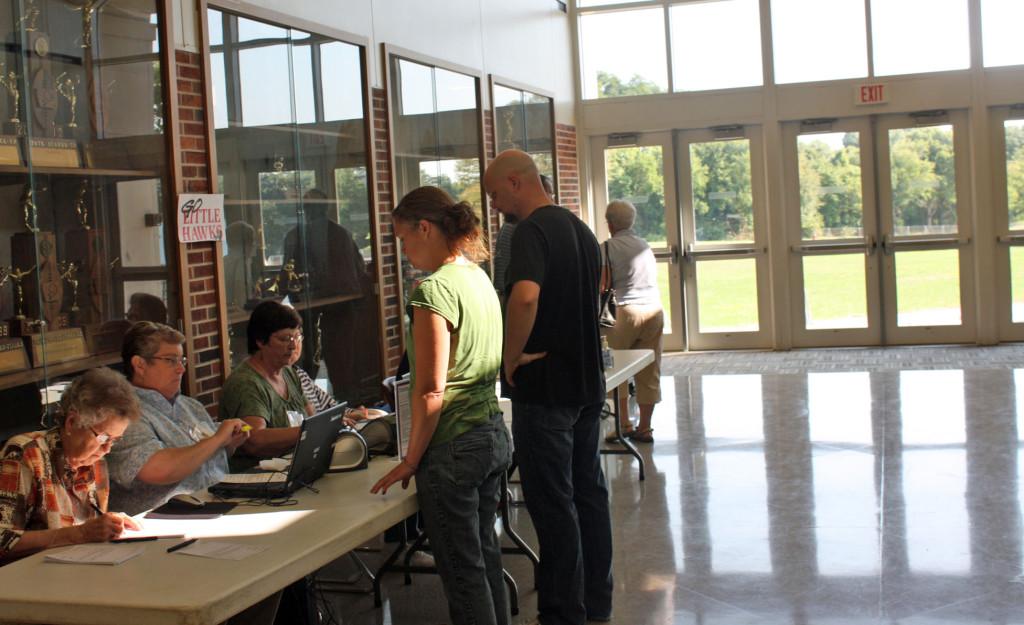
(200, 258)
(388, 250)
(490, 151)
(568, 168)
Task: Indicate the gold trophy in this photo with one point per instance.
(68, 88)
(28, 208)
(292, 278)
(88, 9)
(13, 356)
(68, 273)
(80, 208)
(265, 286)
(9, 81)
(10, 142)
(30, 17)
(17, 275)
(318, 336)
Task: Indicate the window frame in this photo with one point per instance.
(392, 52)
(317, 32)
(500, 81)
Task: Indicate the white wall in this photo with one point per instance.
(526, 41)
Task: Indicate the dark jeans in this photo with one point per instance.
(566, 494)
(458, 486)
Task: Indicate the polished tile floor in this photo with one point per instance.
(858, 487)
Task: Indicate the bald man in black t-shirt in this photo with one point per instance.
(552, 373)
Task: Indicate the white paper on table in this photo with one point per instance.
(220, 550)
(99, 553)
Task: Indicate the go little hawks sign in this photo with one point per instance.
(200, 217)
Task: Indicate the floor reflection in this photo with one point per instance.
(853, 497)
(868, 495)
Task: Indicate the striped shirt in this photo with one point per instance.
(315, 395)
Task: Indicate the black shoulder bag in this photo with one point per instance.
(607, 312)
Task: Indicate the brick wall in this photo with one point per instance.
(200, 258)
(568, 167)
(389, 252)
(489, 154)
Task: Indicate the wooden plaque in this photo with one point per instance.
(21, 327)
(54, 152)
(10, 150)
(12, 356)
(59, 346)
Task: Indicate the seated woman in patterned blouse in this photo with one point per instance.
(53, 483)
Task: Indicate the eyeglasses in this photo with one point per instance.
(288, 340)
(174, 361)
(103, 438)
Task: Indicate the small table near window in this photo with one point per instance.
(626, 364)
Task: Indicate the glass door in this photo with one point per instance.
(925, 222)
(724, 238)
(639, 168)
(879, 230)
(832, 221)
(1008, 172)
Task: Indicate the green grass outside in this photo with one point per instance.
(926, 280)
(1017, 277)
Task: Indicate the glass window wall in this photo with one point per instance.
(715, 45)
(623, 53)
(437, 136)
(293, 165)
(525, 121)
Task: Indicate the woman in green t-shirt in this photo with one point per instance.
(459, 447)
(264, 388)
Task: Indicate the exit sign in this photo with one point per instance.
(877, 93)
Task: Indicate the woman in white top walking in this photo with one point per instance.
(639, 319)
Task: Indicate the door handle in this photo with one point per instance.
(670, 254)
(868, 245)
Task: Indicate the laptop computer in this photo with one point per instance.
(403, 415)
(310, 460)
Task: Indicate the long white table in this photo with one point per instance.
(159, 588)
(625, 364)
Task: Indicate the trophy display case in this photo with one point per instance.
(84, 183)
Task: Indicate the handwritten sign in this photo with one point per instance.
(200, 217)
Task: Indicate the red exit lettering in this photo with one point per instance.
(872, 94)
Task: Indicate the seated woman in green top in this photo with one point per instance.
(459, 447)
(264, 388)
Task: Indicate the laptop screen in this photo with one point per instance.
(403, 416)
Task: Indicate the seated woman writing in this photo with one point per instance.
(53, 483)
(265, 388)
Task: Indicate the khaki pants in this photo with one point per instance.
(640, 327)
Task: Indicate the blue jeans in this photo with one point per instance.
(566, 494)
(458, 486)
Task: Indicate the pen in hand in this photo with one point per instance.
(181, 545)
